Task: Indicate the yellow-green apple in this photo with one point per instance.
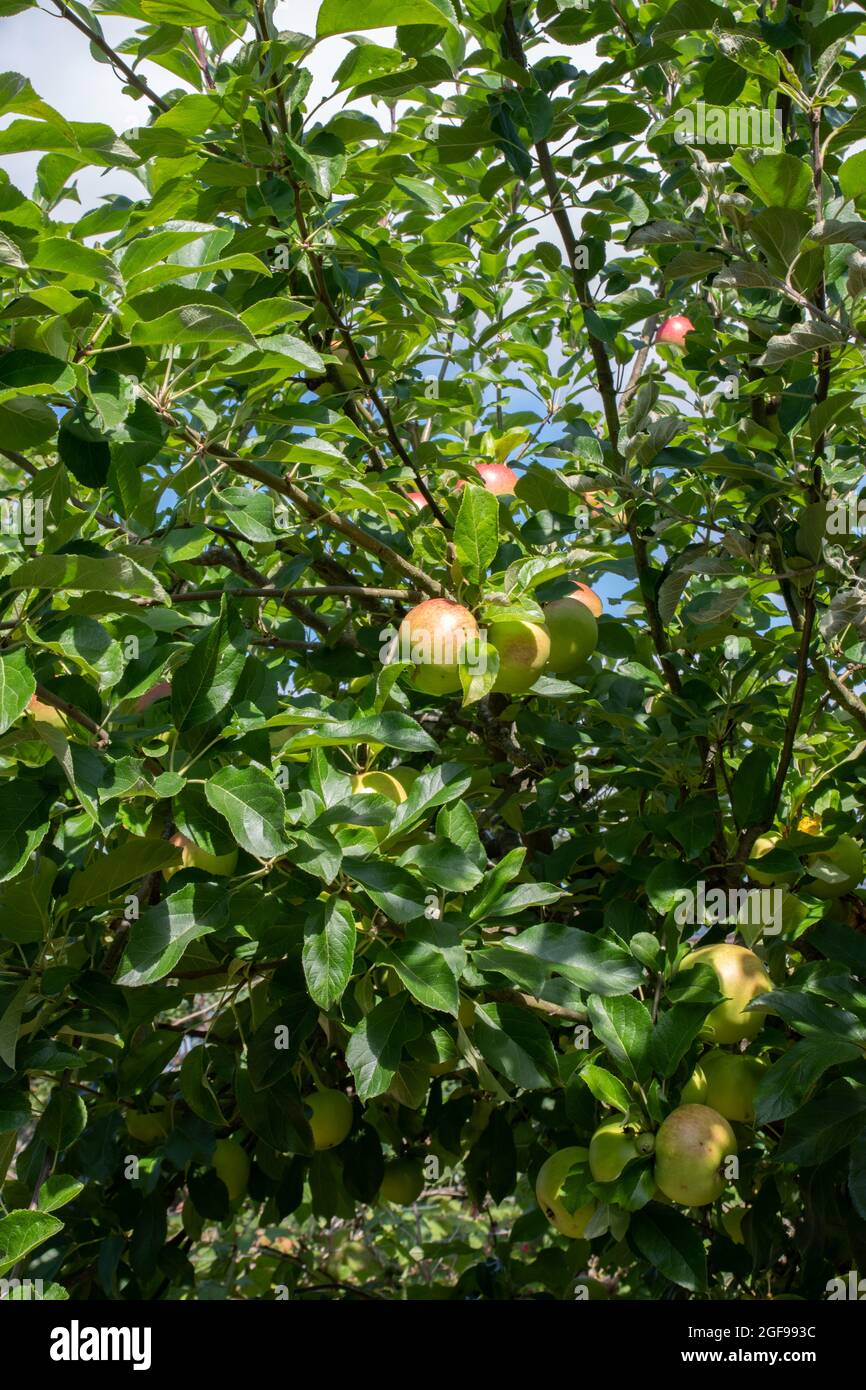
(436, 635)
(762, 847)
(742, 978)
(150, 1125)
(836, 870)
(524, 650)
(573, 634)
(551, 1179)
(330, 1117)
(614, 1145)
(46, 714)
(727, 1082)
(674, 330)
(692, 1145)
(192, 857)
(396, 785)
(403, 1181)
(232, 1165)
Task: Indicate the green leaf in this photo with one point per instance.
(344, 16)
(443, 864)
(426, 973)
(59, 1190)
(203, 686)
(623, 1024)
(87, 574)
(824, 1126)
(752, 789)
(329, 951)
(787, 1083)
(254, 807)
(23, 1231)
(17, 685)
(376, 1046)
(127, 864)
(157, 942)
(476, 532)
(606, 1087)
(596, 965)
(671, 1244)
(68, 257)
(10, 1023)
(516, 1043)
(192, 323)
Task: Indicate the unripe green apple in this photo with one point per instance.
(614, 1145)
(330, 1117)
(691, 1147)
(573, 635)
(436, 635)
(403, 1181)
(152, 1125)
(762, 846)
(727, 1082)
(219, 865)
(232, 1165)
(742, 978)
(551, 1179)
(396, 785)
(524, 649)
(836, 870)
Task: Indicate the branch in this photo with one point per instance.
(103, 738)
(837, 687)
(647, 338)
(115, 59)
(269, 592)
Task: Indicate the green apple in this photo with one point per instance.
(330, 1117)
(836, 870)
(396, 785)
(403, 1181)
(691, 1147)
(573, 635)
(614, 1145)
(742, 978)
(523, 648)
(436, 635)
(150, 1126)
(762, 846)
(727, 1082)
(192, 857)
(551, 1179)
(232, 1165)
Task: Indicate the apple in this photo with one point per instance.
(46, 714)
(497, 478)
(524, 651)
(836, 870)
(396, 785)
(403, 1182)
(219, 865)
(584, 594)
(674, 330)
(551, 1179)
(232, 1165)
(156, 692)
(691, 1146)
(742, 978)
(573, 634)
(149, 1126)
(727, 1082)
(763, 846)
(434, 636)
(614, 1145)
(330, 1117)
(419, 499)
(355, 1260)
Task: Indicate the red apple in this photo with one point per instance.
(156, 692)
(674, 330)
(497, 478)
(419, 499)
(434, 635)
(587, 596)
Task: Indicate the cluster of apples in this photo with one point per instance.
(692, 1144)
(828, 873)
(330, 1115)
(445, 633)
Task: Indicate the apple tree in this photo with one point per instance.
(331, 966)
